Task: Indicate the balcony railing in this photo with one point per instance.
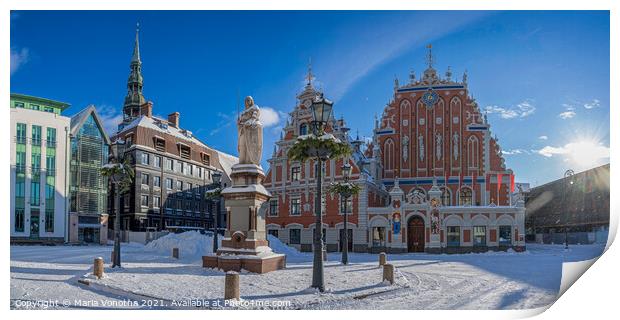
(36, 141)
(20, 140)
(50, 143)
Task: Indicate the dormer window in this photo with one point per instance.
(160, 144)
(187, 133)
(303, 129)
(184, 151)
(129, 140)
(206, 159)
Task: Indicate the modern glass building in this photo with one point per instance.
(39, 157)
(88, 216)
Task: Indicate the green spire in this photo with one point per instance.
(134, 98)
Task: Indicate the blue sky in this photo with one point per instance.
(543, 76)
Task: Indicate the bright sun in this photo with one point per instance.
(586, 153)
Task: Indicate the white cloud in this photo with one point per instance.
(514, 151)
(581, 154)
(567, 114)
(269, 117)
(110, 118)
(543, 137)
(521, 110)
(18, 58)
(592, 104)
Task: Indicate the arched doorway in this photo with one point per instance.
(415, 234)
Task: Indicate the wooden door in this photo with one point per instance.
(415, 235)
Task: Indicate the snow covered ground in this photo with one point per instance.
(150, 278)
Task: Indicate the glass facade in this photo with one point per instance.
(20, 177)
(89, 152)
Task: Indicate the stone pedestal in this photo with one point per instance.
(245, 244)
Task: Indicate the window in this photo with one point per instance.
(179, 185)
(273, 232)
(168, 183)
(206, 159)
(199, 172)
(273, 207)
(346, 206)
(19, 220)
(189, 188)
(21, 133)
(303, 129)
(454, 236)
(156, 201)
(157, 181)
(388, 154)
(144, 159)
(19, 104)
(295, 173)
(49, 220)
(445, 196)
(184, 151)
(48, 109)
(472, 152)
(144, 200)
(169, 164)
(294, 236)
(505, 233)
(160, 145)
(145, 178)
(465, 196)
(128, 140)
(35, 193)
(157, 161)
(378, 236)
(295, 206)
(36, 135)
(35, 107)
(480, 236)
(51, 137)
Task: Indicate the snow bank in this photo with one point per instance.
(279, 247)
(191, 244)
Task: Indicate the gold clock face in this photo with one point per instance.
(430, 98)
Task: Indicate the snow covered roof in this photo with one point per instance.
(226, 161)
(162, 126)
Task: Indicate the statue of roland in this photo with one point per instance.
(250, 134)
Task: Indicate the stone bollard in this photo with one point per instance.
(388, 273)
(175, 253)
(98, 268)
(382, 258)
(231, 285)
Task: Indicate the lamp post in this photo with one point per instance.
(117, 155)
(567, 175)
(346, 172)
(213, 197)
(321, 111)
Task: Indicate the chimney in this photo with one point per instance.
(173, 119)
(147, 109)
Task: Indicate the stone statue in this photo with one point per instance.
(250, 129)
(421, 147)
(438, 146)
(455, 145)
(405, 148)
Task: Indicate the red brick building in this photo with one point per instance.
(449, 189)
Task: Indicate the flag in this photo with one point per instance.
(499, 181)
(512, 183)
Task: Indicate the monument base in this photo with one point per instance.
(250, 263)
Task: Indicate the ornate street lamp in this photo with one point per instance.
(568, 182)
(321, 111)
(120, 175)
(213, 196)
(345, 194)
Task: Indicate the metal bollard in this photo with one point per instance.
(175, 253)
(382, 258)
(388, 273)
(231, 285)
(98, 267)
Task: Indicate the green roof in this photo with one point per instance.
(43, 101)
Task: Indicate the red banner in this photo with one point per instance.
(512, 183)
(499, 181)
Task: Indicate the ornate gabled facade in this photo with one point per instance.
(434, 146)
(292, 184)
(432, 149)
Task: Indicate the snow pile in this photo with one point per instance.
(191, 244)
(279, 247)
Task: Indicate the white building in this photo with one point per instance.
(39, 155)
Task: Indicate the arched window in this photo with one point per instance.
(465, 196)
(303, 129)
(472, 152)
(445, 196)
(388, 154)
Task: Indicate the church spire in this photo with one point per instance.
(134, 98)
